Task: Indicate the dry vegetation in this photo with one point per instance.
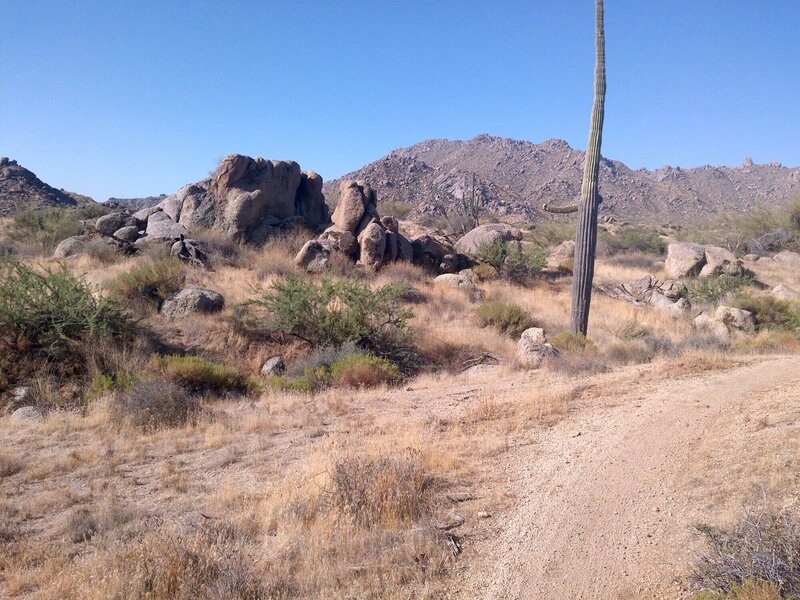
(177, 471)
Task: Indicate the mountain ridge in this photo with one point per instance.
(515, 177)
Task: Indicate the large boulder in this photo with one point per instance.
(736, 318)
(192, 300)
(684, 259)
(562, 256)
(127, 234)
(314, 256)
(708, 323)
(533, 348)
(351, 207)
(719, 261)
(791, 259)
(372, 242)
(487, 234)
(72, 246)
(161, 227)
(108, 224)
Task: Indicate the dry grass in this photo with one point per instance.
(338, 494)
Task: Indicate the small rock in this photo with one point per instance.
(719, 261)
(192, 300)
(791, 259)
(483, 514)
(751, 257)
(533, 348)
(27, 413)
(784, 292)
(313, 256)
(562, 256)
(273, 366)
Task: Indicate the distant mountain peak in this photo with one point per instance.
(515, 177)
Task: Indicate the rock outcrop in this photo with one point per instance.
(359, 232)
(250, 198)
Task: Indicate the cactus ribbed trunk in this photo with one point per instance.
(586, 235)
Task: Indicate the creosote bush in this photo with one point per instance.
(712, 289)
(148, 283)
(512, 261)
(770, 312)
(332, 313)
(345, 365)
(506, 317)
(634, 239)
(48, 316)
(568, 341)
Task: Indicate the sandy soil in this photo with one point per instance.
(605, 500)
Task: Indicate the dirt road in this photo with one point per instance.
(606, 499)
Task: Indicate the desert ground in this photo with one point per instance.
(471, 477)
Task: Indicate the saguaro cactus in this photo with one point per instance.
(586, 234)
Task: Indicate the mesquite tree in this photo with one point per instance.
(586, 234)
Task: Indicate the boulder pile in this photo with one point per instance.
(361, 234)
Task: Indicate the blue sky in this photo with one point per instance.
(112, 98)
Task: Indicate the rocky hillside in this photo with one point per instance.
(514, 178)
(20, 189)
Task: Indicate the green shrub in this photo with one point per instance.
(548, 234)
(567, 341)
(332, 313)
(46, 227)
(635, 239)
(712, 289)
(493, 253)
(49, 315)
(148, 283)
(507, 318)
(298, 385)
(512, 261)
(362, 370)
(770, 312)
(199, 375)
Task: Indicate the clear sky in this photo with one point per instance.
(113, 98)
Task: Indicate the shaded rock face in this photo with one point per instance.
(487, 234)
(250, 198)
